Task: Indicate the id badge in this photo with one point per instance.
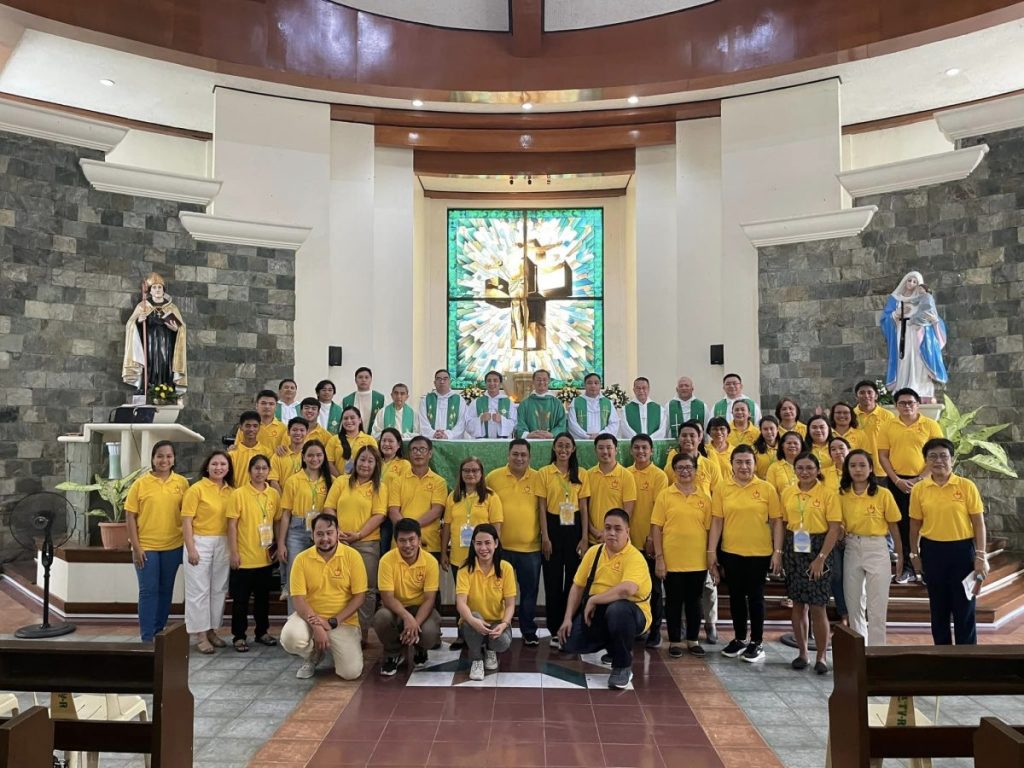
(567, 513)
(266, 534)
(802, 541)
(466, 535)
(309, 519)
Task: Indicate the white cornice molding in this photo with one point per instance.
(145, 182)
(30, 120)
(979, 119)
(918, 172)
(803, 229)
(219, 229)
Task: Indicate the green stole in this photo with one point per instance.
(376, 403)
(453, 413)
(580, 406)
(407, 417)
(483, 401)
(333, 418)
(277, 412)
(632, 413)
(675, 415)
(721, 408)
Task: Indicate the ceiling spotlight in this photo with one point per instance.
(549, 178)
(107, 82)
(633, 99)
(529, 179)
(527, 106)
(952, 72)
(511, 180)
(417, 103)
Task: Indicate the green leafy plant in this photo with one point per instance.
(884, 395)
(968, 438)
(114, 492)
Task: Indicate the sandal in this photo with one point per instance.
(266, 640)
(215, 640)
(241, 646)
(204, 646)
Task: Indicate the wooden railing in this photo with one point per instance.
(998, 745)
(160, 669)
(860, 672)
(27, 740)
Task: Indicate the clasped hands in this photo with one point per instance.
(485, 629)
(320, 629)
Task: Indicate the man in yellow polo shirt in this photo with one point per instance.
(420, 494)
(519, 486)
(613, 587)
(650, 481)
(327, 586)
(899, 445)
(242, 452)
(871, 417)
(611, 486)
(408, 581)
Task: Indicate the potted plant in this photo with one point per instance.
(167, 400)
(113, 532)
(968, 438)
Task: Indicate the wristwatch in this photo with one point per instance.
(332, 623)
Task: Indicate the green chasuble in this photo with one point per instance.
(376, 403)
(540, 413)
(408, 416)
(722, 408)
(454, 409)
(675, 415)
(632, 413)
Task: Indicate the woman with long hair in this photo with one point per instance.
(838, 449)
(563, 505)
(718, 447)
(485, 598)
(393, 465)
(691, 443)
(781, 474)
(766, 447)
(153, 515)
(303, 498)
(819, 434)
(469, 504)
(844, 424)
(351, 437)
(204, 526)
(788, 414)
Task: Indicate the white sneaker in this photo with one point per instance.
(476, 670)
(308, 668)
(490, 660)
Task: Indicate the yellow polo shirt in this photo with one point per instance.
(946, 510)
(394, 468)
(241, 455)
(409, 583)
(273, 434)
(472, 512)
(744, 437)
(329, 585)
(558, 489)
(207, 504)
(649, 481)
(800, 428)
(824, 458)
(722, 460)
(905, 443)
(316, 433)
(304, 499)
(156, 505)
(857, 438)
(520, 531)
(608, 491)
(708, 474)
(763, 461)
(486, 592)
(253, 508)
(414, 496)
(356, 443)
(684, 520)
(865, 515)
(871, 425)
(354, 506)
(627, 565)
(833, 476)
(746, 512)
(283, 467)
(781, 475)
(817, 508)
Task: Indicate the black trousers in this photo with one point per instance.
(744, 577)
(657, 604)
(243, 584)
(945, 565)
(560, 569)
(683, 592)
(614, 628)
(903, 503)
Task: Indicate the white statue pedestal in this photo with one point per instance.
(137, 440)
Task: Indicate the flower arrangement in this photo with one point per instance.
(617, 395)
(164, 394)
(884, 395)
(567, 394)
(472, 392)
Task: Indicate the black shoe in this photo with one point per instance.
(456, 645)
(530, 640)
(734, 648)
(697, 650)
(821, 667)
(799, 663)
(606, 658)
(675, 651)
(753, 653)
(437, 646)
(389, 667)
(654, 640)
(420, 657)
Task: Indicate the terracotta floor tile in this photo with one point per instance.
(632, 756)
(678, 735)
(468, 711)
(681, 715)
(518, 755)
(456, 730)
(660, 696)
(287, 750)
(511, 732)
(709, 699)
(691, 757)
(709, 716)
(317, 711)
(566, 696)
(625, 733)
(304, 729)
(532, 696)
(356, 730)
(454, 753)
(569, 713)
(738, 757)
(617, 715)
(517, 712)
(580, 733)
(417, 710)
(579, 754)
(735, 736)
(399, 753)
(419, 731)
(332, 753)
(426, 695)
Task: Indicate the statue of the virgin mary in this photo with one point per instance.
(154, 342)
(915, 335)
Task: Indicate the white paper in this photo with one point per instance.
(969, 583)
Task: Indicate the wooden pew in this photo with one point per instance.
(27, 740)
(160, 669)
(860, 672)
(998, 745)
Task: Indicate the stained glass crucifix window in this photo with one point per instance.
(525, 291)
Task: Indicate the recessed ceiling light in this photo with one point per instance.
(107, 82)
(633, 99)
(417, 103)
(527, 106)
(952, 72)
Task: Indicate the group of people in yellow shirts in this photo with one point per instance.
(621, 548)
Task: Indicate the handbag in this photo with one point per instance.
(590, 581)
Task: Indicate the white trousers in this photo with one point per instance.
(346, 648)
(206, 584)
(866, 575)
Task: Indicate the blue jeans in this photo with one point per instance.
(156, 586)
(527, 568)
(297, 541)
(837, 580)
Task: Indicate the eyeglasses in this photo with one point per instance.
(906, 403)
(419, 449)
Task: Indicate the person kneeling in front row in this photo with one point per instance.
(485, 597)
(327, 585)
(408, 582)
(613, 587)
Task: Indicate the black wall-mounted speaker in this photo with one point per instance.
(718, 354)
(334, 356)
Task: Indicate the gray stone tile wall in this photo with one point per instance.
(820, 303)
(71, 261)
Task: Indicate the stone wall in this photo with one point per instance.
(71, 261)
(820, 303)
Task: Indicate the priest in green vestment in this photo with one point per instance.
(642, 416)
(540, 416)
(684, 407)
(732, 385)
(492, 416)
(330, 411)
(592, 414)
(398, 414)
(442, 412)
(365, 399)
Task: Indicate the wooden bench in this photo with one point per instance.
(998, 745)
(27, 739)
(860, 672)
(160, 669)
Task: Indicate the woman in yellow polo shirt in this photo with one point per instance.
(718, 447)
(393, 465)
(845, 424)
(691, 442)
(947, 534)
(746, 518)
(252, 512)
(352, 438)
(360, 502)
(303, 497)
(869, 511)
(819, 433)
(766, 447)
(679, 531)
(788, 414)
(813, 517)
(153, 516)
(204, 525)
(563, 504)
(742, 431)
(485, 597)
(781, 474)
(469, 504)
(838, 450)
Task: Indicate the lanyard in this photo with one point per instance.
(567, 487)
(263, 506)
(468, 506)
(314, 492)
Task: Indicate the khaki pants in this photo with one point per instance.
(297, 639)
(389, 628)
(370, 552)
(866, 575)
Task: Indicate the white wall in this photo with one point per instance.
(862, 150)
(159, 152)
